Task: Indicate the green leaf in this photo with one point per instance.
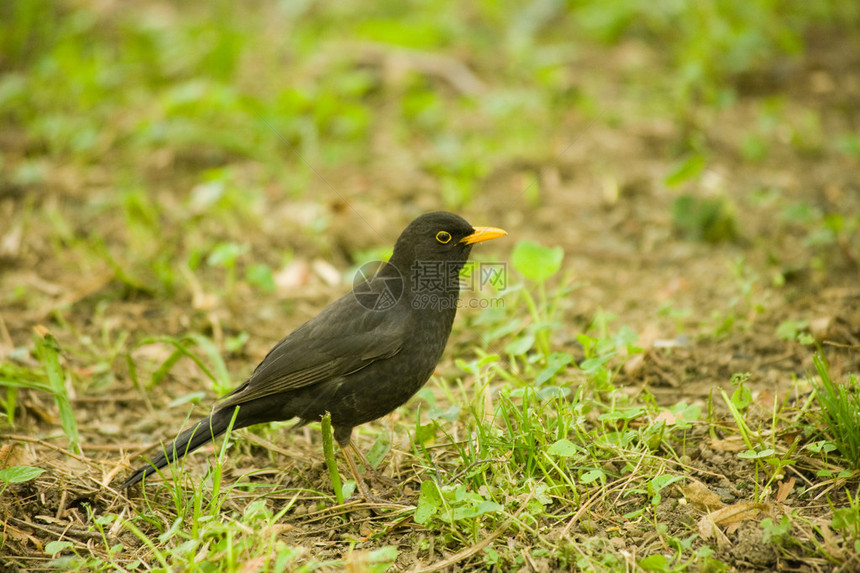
(54, 547)
(594, 365)
(686, 413)
(225, 254)
(686, 170)
(165, 367)
(348, 488)
(535, 262)
(195, 397)
(789, 329)
(658, 483)
(260, 275)
(592, 475)
(379, 449)
(555, 362)
(520, 346)
(380, 560)
(48, 350)
(753, 455)
(654, 563)
(424, 433)
(563, 448)
(742, 397)
(221, 376)
(709, 219)
(20, 474)
(429, 502)
(489, 507)
(22, 383)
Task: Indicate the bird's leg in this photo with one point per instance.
(343, 436)
(359, 481)
(361, 458)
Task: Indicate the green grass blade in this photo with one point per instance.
(48, 351)
(330, 462)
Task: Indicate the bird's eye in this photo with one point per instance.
(443, 237)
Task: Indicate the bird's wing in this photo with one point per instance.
(342, 339)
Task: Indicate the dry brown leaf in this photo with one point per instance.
(357, 561)
(699, 495)
(16, 455)
(327, 272)
(634, 364)
(10, 243)
(730, 515)
(820, 327)
(22, 536)
(732, 528)
(292, 276)
(764, 400)
(256, 564)
(733, 444)
(784, 489)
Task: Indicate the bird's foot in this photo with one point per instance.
(379, 478)
(369, 497)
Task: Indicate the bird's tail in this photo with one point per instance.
(199, 434)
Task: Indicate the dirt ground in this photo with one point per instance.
(703, 311)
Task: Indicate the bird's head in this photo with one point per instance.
(439, 236)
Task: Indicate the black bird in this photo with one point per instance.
(362, 356)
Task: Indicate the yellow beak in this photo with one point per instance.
(483, 234)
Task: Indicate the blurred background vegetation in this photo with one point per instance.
(175, 112)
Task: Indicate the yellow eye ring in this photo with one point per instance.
(443, 237)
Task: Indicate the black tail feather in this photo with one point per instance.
(201, 433)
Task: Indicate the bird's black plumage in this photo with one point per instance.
(355, 360)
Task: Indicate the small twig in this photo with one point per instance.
(100, 399)
(56, 530)
(114, 447)
(337, 528)
(841, 345)
(582, 509)
(61, 507)
(257, 440)
(350, 507)
(17, 438)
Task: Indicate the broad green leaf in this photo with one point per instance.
(563, 448)
(54, 547)
(225, 254)
(536, 262)
(379, 450)
(555, 362)
(19, 474)
(654, 563)
(519, 346)
(429, 502)
(592, 475)
(686, 170)
(753, 455)
(260, 275)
